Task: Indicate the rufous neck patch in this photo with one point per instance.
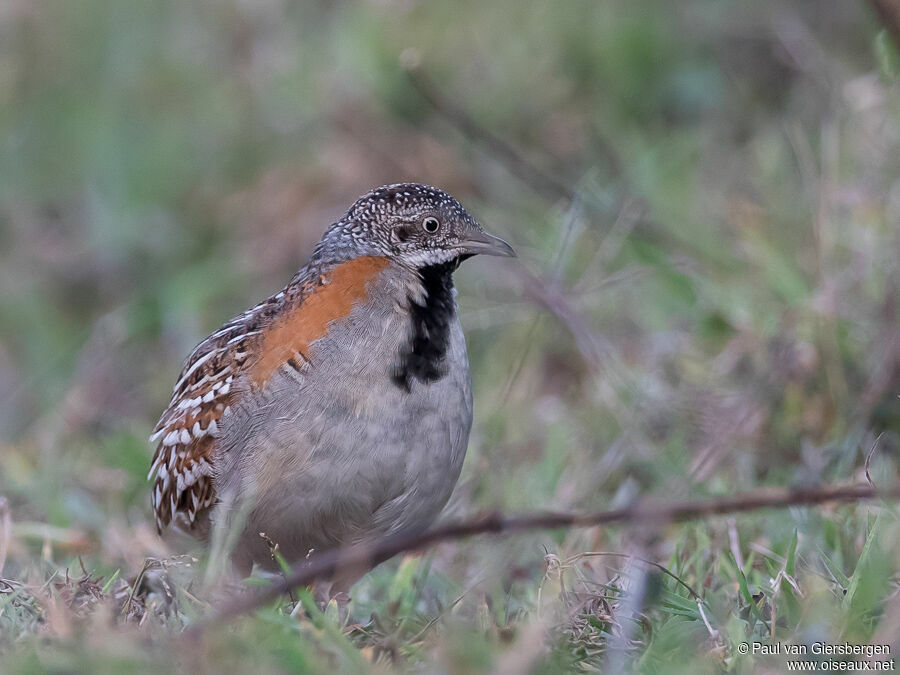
(343, 287)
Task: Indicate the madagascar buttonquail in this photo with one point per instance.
(339, 408)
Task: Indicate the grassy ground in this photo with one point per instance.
(731, 258)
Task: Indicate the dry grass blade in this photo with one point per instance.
(629, 556)
(5, 530)
(868, 460)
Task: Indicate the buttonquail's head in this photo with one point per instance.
(416, 225)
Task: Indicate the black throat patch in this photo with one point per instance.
(422, 357)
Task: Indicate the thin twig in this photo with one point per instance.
(428, 626)
(368, 554)
(507, 155)
(594, 348)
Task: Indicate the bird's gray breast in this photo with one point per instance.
(340, 451)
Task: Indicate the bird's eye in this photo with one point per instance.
(431, 225)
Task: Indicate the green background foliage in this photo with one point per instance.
(731, 255)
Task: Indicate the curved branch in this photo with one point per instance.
(366, 555)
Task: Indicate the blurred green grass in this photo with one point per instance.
(734, 241)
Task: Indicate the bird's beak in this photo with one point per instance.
(482, 243)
